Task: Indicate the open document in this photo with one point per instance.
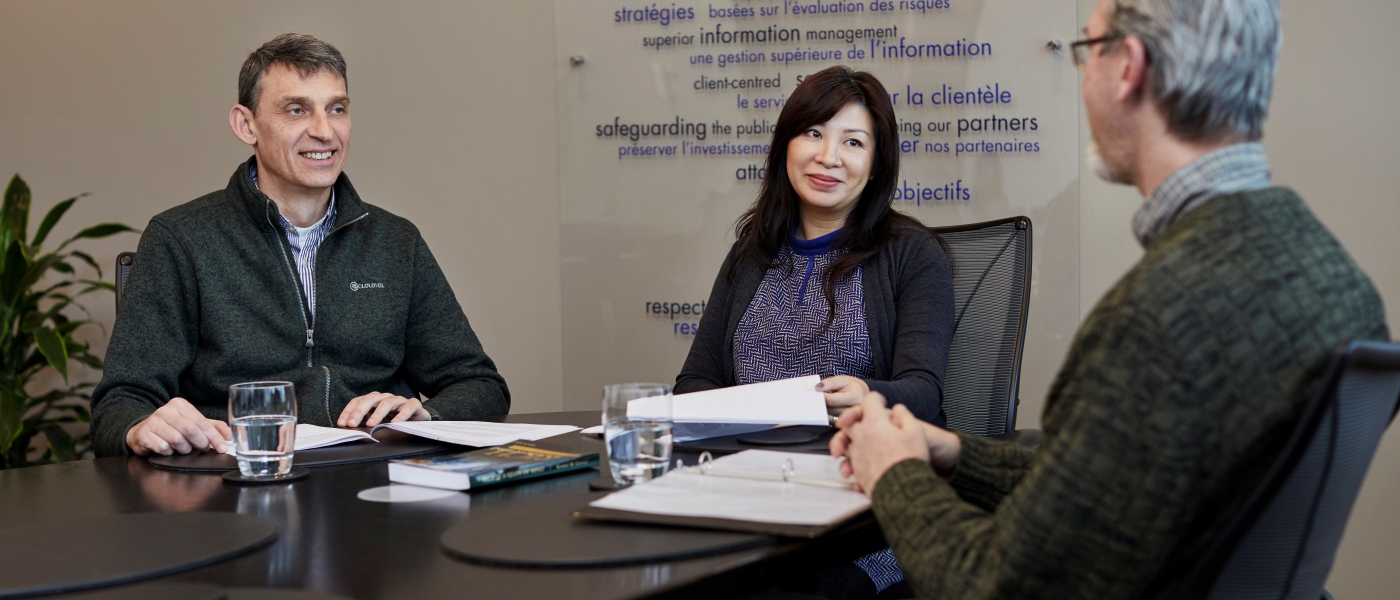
(476, 433)
(741, 409)
(463, 433)
(782, 493)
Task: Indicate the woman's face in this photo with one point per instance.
(829, 164)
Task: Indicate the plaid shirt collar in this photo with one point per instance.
(1235, 168)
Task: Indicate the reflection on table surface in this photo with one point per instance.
(332, 541)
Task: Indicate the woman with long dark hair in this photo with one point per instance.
(825, 278)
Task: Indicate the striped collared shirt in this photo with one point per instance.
(1235, 168)
(305, 245)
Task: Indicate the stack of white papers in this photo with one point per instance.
(749, 486)
(740, 409)
(465, 433)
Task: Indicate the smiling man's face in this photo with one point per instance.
(302, 131)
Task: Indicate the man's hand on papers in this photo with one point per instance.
(874, 438)
(842, 392)
(177, 427)
(359, 410)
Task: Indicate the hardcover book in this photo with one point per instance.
(488, 466)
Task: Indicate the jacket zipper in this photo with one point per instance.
(308, 319)
(301, 302)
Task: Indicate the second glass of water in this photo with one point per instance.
(263, 416)
(637, 428)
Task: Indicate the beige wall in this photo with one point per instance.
(456, 130)
(1330, 137)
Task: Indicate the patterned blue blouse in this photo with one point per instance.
(783, 332)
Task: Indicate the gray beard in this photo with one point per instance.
(1101, 167)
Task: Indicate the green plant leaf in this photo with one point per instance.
(14, 213)
(51, 345)
(60, 443)
(39, 267)
(98, 232)
(52, 218)
(12, 409)
(92, 361)
(96, 285)
(87, 258)
(12, 270)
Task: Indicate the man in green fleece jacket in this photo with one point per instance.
(1184, 382)
(286, 274)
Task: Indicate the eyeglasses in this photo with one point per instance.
(1080, 49)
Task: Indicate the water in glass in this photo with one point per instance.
(262, 445)
(638, 450)
(638, 441)
(263, 416)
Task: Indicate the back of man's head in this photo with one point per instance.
(302, 52)
(1212, 61)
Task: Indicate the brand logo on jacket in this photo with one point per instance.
(355, 287)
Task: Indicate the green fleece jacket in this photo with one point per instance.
(1179, 390)
(213, 300)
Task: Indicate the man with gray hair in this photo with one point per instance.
(286, 274)
(1188, 376)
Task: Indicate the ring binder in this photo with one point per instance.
(788, 473)
(778, 493)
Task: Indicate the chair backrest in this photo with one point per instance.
(991, 294)
(124, 261)
(1281, 543)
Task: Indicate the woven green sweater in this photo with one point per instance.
(1178, 391)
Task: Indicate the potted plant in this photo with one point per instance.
(37, 290)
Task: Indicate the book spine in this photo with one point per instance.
(493, 478)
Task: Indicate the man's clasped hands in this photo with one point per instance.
(874, 438)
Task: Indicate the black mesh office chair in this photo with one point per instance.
(1280, 545)
(991, 294)
(124, 261)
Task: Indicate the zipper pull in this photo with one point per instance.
(310, 343)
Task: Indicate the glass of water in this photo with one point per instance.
(263, 415)
(637, 428)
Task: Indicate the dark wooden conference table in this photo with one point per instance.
(329, 540)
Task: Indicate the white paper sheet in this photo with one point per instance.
(477, 433)
(686, 494)
(314, 436)
(690, 432)
(792, 401)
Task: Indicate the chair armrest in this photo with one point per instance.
(1029, 438)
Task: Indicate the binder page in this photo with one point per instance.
(770, 462)
(685, 494)
(790, 401)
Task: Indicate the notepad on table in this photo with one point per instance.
(780, 493)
